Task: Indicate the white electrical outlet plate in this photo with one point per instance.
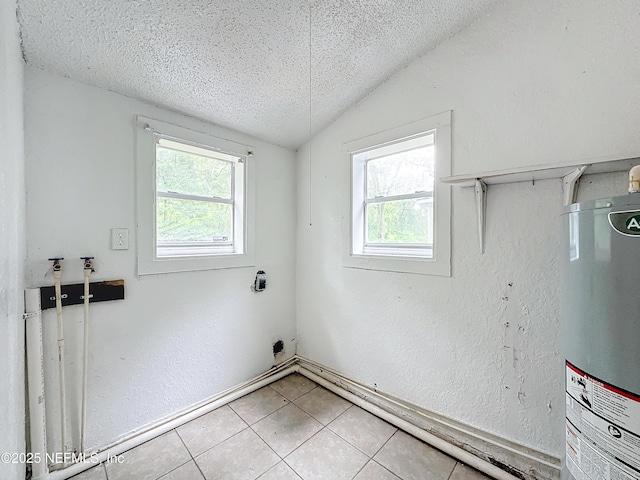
(120, 239)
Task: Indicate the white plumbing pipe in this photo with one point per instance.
(634, 179)
(57, 274)
(112, 452)
(446, 447)
(35, 381)
(88, 269)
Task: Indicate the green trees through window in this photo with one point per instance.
(399, 197)
(194, 198)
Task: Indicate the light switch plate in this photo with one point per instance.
(120, 239)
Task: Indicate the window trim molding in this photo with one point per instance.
(440, 264)
(148, 263)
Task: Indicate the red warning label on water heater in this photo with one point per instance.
(602, 429)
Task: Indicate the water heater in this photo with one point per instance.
(601, 328)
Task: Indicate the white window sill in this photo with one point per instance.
(190, 251)
(389, 251)
(398, 263)
(194, 263)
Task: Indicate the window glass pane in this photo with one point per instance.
(400, 222)
(192, 174)
(180, 221)
(401, 173)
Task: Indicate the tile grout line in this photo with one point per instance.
(220, 443)
(265, 441)
(354, 446)
(326, 427)
(299, 446)
(452, 470)
(317, 419)
(248, 426)
(307, 379)
(387, 441)
(378, 451)
(348, 442)
(270, 448)
(291, 467)
(299, 396)
(309, 413)
(173, 469)
(306, 393)
(397, 474)
(133, 449)
(190, 454)
(382, 466)
(362, 467)
(289, 402)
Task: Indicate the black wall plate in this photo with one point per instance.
(72, 294)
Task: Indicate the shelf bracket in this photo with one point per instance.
(570, 184)
(480, 189)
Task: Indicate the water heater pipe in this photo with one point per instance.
(88, 270)
(634, 179)
(35, 382)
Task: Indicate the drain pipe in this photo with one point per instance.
(634, 179)
(57, 275)
(88, 270)
(35, 382)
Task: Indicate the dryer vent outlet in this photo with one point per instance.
(278, 348)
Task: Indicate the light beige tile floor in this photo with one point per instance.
(292, 429)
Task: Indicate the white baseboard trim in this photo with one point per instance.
(518, 461)
(496, 456)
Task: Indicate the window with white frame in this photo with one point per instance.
(193, 200)
(399, 215)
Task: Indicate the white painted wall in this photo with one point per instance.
(12, 239)
(532, 83)
(176, 339)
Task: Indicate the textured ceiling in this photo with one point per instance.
(264, 67)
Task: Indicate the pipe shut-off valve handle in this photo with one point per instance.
(57, 267)
(88, 263)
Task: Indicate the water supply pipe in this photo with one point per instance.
(88, 270)
(35, 382)
(57, 275)
(634, 179)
